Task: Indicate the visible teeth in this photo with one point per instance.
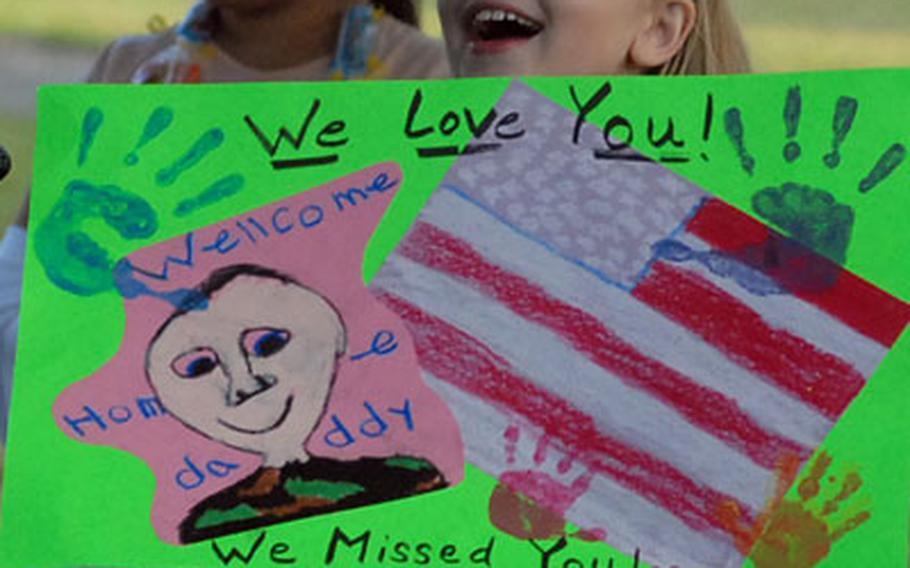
(496, 15)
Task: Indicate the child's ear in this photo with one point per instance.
(670, 24)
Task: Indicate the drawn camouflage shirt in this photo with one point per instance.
(297, 490)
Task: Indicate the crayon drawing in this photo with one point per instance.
(614, 320)
(640, 329)
(258, 377)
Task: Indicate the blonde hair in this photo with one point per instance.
(714, 47)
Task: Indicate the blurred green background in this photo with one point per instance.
(55, 41)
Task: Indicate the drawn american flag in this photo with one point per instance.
(619, 319)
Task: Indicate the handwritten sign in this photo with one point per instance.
(242, 331)
(667, 333)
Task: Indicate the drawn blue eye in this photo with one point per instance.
(196, 363)
(265, 342)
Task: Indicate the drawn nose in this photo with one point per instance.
(252, 385)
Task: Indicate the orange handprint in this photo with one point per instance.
(798, 534)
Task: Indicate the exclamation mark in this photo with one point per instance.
(205, 145)
(844, 115)
(91, 123)
(157, 123)
(793, 110)
(890, 161)
(709, 125)
(733, 123)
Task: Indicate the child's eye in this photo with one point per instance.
(265, 342)
(196, 363)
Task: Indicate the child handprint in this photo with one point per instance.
(531, 504)
(816, 222)
(72, 259)
(799, 534)
(810, 215)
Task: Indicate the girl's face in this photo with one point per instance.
(542, 37)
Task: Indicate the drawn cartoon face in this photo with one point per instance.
(254, 368)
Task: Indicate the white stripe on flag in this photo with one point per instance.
(624, 412)
(650, 332)
(630, 520)
(798, 317)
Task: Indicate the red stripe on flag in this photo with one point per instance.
(820, 379)
(458, 359)
(859, 304)
(709, 410)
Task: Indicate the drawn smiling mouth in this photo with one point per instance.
(284, 415)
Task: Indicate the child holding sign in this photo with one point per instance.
(240, 41)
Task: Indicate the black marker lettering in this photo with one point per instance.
(546, 554)
(340, 537)
(409, 131)
(277, 554)
(507, 120)
(226, 559)
(330, 129)
(584, 110)
(668, 137)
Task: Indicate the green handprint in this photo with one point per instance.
(75, 261)
(811, 216)
(72, 259)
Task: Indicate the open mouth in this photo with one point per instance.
(276, 424)
(491, 25)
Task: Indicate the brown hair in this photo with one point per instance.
(715, 45)
(403, 10)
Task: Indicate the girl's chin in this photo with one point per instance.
(494, 60)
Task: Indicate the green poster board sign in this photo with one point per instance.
(511, 211)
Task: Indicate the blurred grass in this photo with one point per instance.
(90, 23)
(799, 35)
(782, 47)
(872, 15)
